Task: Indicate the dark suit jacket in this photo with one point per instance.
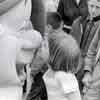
(38, 16)
(69, 10)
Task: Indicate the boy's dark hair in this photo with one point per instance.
(54, 19)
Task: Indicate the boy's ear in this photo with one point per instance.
(62, 24)
(48, 28)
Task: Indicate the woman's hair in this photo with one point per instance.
(64, 53)
(54, 19)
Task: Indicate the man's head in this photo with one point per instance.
(94, 7)
(54, 21)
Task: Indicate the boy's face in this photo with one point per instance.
(94, 8)
(49, 28)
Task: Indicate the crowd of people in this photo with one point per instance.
(49, 50)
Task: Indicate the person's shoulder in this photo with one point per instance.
(62, 32)
(61, 35)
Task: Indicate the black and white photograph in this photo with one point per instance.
(49, 49)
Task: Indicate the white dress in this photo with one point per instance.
(14, 20)
(10, 85)
(60, 84)
(15, 26)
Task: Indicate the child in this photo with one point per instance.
(60, 80)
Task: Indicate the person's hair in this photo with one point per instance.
(64, 53)
(54, 19)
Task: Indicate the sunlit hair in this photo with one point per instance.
(64, 53)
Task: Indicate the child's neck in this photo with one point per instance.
(57, 30)
(51, 72)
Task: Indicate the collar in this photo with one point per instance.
(57, 31)
(95, 19)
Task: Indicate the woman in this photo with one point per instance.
(14, 26)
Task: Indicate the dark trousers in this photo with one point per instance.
(38, 88)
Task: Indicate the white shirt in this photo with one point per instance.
(60, 84)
